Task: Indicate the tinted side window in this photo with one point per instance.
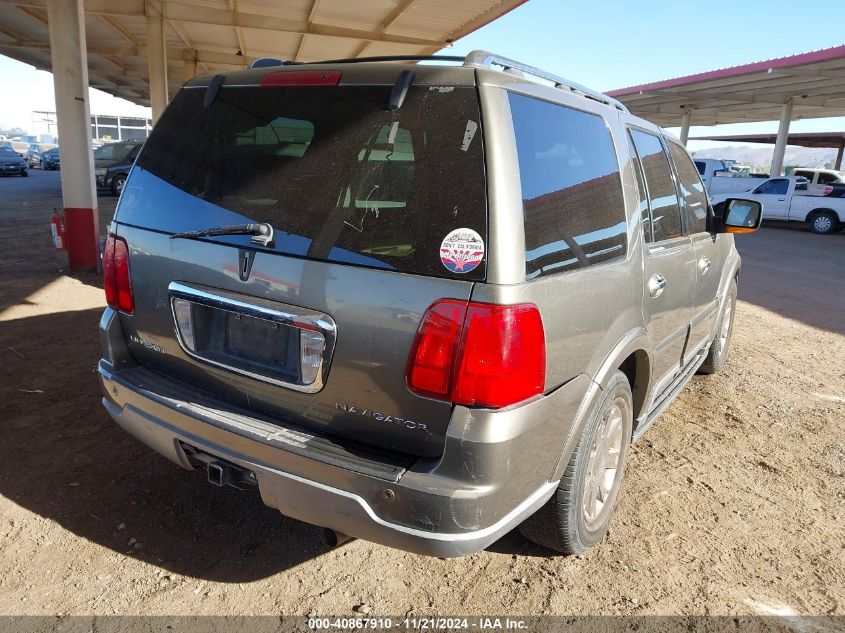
(571, 188)
(826, 179)
(701, 167)
(638, 172)
(778, 186)
(665, 212)
(692, 190)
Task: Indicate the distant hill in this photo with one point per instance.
(761, 157)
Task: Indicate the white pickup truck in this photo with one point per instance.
(719, 178)
(820, 176)
(792, 199)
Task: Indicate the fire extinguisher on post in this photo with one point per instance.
(57, 228)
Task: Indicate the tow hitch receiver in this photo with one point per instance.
(220, 472)
(225, 474)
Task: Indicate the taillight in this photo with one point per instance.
(116, 278)
(477, 354)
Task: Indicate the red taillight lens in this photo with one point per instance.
(432, 358)
(116, 278)
(302, 78)
(503, 356)
(478, 354)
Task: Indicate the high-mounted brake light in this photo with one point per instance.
(478, 354)
(301, 78)
(116, 279)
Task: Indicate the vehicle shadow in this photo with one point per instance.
(28, 260)
(795, 273)
(64, 459)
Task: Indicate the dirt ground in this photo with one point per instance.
(734, 502)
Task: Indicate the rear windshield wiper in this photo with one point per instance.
(261, 233)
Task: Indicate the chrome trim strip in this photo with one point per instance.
(258, 308)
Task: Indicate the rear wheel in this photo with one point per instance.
(824, 222)
(718, 354)
(578, 514)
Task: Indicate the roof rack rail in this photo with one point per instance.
(486, 59)
(392, 58)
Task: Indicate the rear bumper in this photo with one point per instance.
(488, 480)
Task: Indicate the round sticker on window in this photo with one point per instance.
(462, 250)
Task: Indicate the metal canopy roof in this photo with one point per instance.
(814, 81)
(801, 139)
(222, 35)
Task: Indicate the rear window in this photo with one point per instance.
(339, 176)
(113, 151)
(574, 212)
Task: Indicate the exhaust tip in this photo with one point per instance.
(332, 539)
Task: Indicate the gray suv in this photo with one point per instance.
(416, 304)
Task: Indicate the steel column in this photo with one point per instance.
(66, 23)
(685, 127)
(157, 65)
(780, 143)
(838, 163)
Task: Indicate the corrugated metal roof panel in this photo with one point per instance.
(226, 34)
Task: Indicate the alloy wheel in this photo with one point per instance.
(603, 466)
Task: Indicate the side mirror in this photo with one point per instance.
(741, 216)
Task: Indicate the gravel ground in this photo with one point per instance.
(734, 502)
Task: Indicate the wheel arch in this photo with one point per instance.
(637, 369)
(631, 356)
(819, 210)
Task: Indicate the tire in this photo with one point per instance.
(24, 173)
(563, 524)
(824, 222)
(117, 184)
(718, 353)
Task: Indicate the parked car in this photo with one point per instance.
(112, 163)
(823, 182)
(792, 199)
(11, 162)
(420, 306)
(819, 176)
(51, 159)
(19, 147)
(35, 153)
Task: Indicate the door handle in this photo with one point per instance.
(656, 285)
(703, 265)
(781, 199)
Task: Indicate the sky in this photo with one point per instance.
(603, 44)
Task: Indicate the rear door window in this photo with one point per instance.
(642, 208)
(572, 200)
(695, 200)
(665, 210)
(339, 176)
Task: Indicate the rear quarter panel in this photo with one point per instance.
(586, 312)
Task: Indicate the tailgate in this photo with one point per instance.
(375, 315)
(377, 212)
